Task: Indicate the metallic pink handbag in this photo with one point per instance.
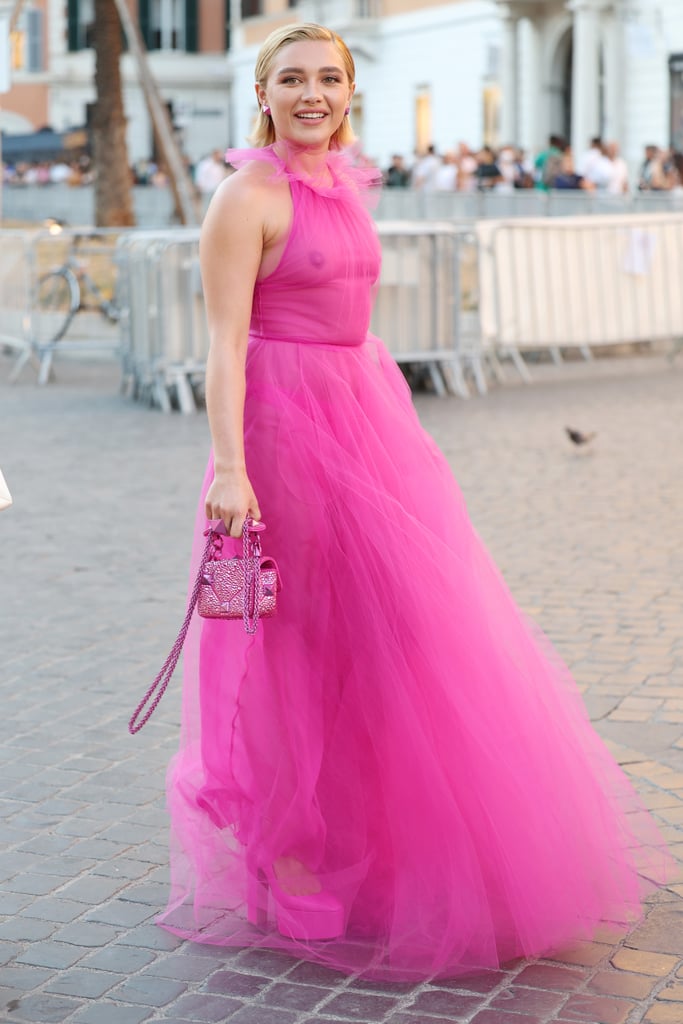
(225, 588)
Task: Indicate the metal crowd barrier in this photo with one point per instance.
(154, 206)
(580, 282)
(29, 322)
(467, 207)
(425, 310)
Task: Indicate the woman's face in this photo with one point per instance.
(308, 91)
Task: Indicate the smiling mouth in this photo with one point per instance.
(311, 117)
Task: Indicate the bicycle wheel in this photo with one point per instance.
(57, 299)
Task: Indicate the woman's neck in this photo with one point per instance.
(308, 161)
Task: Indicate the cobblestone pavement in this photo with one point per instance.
(94, 558)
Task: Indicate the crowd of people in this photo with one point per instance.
(600, 168)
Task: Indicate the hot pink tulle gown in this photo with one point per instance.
(399, 727)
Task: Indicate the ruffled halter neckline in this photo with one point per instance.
(340, 176)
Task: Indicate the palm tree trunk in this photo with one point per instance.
(113, 184)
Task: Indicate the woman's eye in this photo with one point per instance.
(331, 78)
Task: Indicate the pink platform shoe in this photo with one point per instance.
(317, 915)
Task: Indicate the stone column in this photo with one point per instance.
(613, 83)
(536, 131)
(509, 120)
(585, 82)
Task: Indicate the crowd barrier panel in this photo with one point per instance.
(579, 282)
(89, 252)
(16, 254)
(153, 206)
(467, 207)
(426, 278)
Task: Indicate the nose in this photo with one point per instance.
(311, 93)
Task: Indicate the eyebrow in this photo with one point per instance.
(300, 71)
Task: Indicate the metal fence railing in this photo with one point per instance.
(32, 204)
(428, 273)
(455, 300)
(58, 288)
(580, 282)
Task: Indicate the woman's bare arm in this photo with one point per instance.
(231, 249)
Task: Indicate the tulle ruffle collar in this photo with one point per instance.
(348, 175)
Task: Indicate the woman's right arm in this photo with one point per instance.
(231, 248)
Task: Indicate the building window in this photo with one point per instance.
(676, 101)
(423, 118)
(26, 42)
(81, 24)
(251, 8)
(170, 24)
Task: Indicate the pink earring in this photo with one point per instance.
(266, 109)
(347, 111)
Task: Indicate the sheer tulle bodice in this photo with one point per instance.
(399, 727)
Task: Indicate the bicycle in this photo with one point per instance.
(61, 294)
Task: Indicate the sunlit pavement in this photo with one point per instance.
(94, 562)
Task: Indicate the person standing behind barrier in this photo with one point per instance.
(547, 163)
(488, 172)
(397, 174)
(395, 767)
(425, 170)
(653, 176)
(446, 177)
(617, 183)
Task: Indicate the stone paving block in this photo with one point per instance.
(15, 902)
(83, 982)
(148, 990)
(661, 931)
(92, 889)
(200, 1007)
(445, 1003)
(300, 998)
(583, 954)
(620, 983)
(591, 1009)
(672, 993)
(55, 909)
(663, 1013)
(185, 968)
(34, 884)
(263, 1015)
(305, 973)
(149, 936)
(102, 1012)
(122, 867)
(52, 954)
(502, 1017)
(80, 933)
(44, 1008)
(119, 959)
(122, 914)
(484, 982)
(234, 983)
(357, 1006)
(528, 1000)
(551, 978)
(268, 962)
(25, 929)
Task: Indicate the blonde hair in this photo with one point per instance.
(264, 131)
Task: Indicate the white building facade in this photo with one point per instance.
(428, 71)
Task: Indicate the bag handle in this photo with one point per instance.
(252, 574)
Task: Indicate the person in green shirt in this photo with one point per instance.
(548, 161)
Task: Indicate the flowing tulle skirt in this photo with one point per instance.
(400, 727)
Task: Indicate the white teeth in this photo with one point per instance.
(311, 117)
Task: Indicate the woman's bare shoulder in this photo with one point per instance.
(252, 183)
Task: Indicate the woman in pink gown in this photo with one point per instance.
(395, 775)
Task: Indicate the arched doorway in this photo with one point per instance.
(560, 113)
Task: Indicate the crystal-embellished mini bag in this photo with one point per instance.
(225, 588)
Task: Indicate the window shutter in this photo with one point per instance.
(144, 16)
(34, 24)
(191, 26)
(73, 33)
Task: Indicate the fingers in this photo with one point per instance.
(234, 521)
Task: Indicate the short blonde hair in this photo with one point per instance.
(264, 131)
